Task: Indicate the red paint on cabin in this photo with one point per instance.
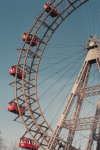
(25, 35)
(13, 70)
(28, 143)
(12, 107)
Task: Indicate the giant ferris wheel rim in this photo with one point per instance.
(36, 71)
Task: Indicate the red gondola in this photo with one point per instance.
(27, 143)
(12, 106)
(24, 36)
(13, 70)
(48, 7)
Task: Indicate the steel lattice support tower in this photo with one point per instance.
(78, 106)
(79, 90)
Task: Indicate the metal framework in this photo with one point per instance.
(79, 88)
(26, 89)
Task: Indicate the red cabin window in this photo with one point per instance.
(29, 38)
(12, 107)
(23, 140)
(13, 70)
(48, 7)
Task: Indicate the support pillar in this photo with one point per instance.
(90, 141)
(78, 107)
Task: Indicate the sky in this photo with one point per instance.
(16, 16)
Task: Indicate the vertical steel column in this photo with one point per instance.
(78, 106)
(90, 141)
(98, 145)
(98, 142)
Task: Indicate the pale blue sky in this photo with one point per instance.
(16, 16)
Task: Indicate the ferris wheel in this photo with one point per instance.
(57, 82)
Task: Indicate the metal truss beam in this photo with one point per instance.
(71, 147)
(86, 123)
(92, 93)
(90, 88)
(45, 24)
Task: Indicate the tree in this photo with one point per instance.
(14, 146)
(2, 145)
